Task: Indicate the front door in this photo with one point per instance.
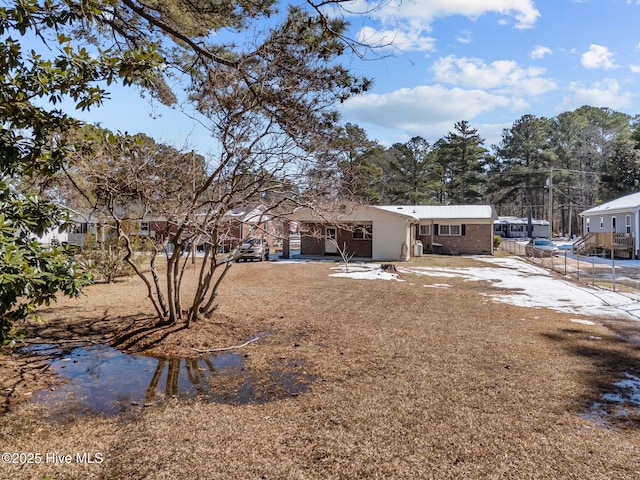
(330, 240)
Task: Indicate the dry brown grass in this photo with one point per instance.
(414, 382)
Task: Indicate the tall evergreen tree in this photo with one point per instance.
(411, 166)
(359, 175)
(523, 166)
(620, 173)
(462, 159)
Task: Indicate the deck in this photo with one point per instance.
(607, 244)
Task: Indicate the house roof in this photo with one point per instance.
(433, 212)
(626, 203)
(244, 214)
(520, 221)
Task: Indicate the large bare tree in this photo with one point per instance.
(264, 83)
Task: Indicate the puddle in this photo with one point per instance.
(101, 379)
(621, 404)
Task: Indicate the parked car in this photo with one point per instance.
(253, 249)
(541, 247)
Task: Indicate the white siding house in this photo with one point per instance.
(620, 216)
(516, 227)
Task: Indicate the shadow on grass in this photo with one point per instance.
(145, 336)
(613, 381)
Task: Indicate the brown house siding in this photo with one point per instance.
(312, 241)
(310, 245)
(477, 239)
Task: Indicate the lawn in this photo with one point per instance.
(410, 382)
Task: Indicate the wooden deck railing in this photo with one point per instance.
(594, 241)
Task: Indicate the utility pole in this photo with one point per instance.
(550, 203)
(571, 220)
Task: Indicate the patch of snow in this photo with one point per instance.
(534, 287)
(438, 285)
(364, 271)
(583, 322)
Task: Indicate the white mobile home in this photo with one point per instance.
(516, 227)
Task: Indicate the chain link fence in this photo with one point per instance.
(611, 274)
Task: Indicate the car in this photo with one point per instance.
(566, 246)
(541, 247)
(253, 249)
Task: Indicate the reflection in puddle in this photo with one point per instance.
(620, 404)
(101, 379)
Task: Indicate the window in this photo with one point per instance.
(627, 221)
(613, 224)
(425, 230)
(144, 227)
(601, 223)
(450, 230)
(588, 225)
(363, 232)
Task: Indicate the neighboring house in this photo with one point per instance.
(611, 226)
(516, 227)
(393, 232)
(243, 222)
(95, 227)
(53, 237)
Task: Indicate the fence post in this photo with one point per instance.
(593, 271)
(613, 269)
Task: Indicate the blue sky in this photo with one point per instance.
(485, 61)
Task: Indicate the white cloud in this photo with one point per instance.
(425, 108)
(606, 93)
(598, 57)
(635, 68)
(505, 76)
(405, 41)
(424, 12)
(465, 37)
(540, 51)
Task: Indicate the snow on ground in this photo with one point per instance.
(583, 322)
(364, 271)
(525, 284)
(534, 287)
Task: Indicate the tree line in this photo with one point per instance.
(589, 156)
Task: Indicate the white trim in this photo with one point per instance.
(449, 228)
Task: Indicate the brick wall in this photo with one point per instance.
(478, 239)
(312, 241)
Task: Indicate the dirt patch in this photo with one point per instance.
(411, 383)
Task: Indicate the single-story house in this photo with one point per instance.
(397, 232)
(613, 224)
(516, 227)
(235, 225)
